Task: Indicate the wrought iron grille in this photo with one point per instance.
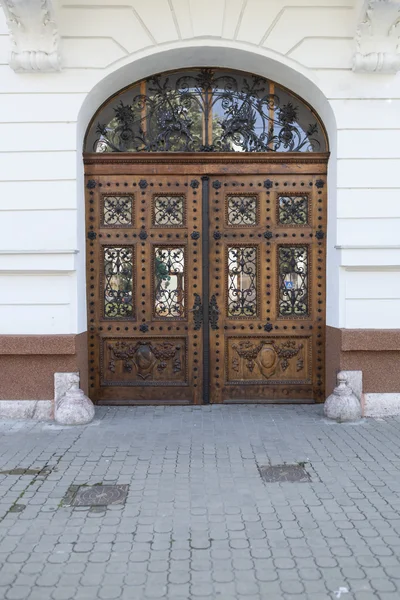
(169, 273)
(293, 281)
(242, 281)
(118, 282)
(169, 211)
(293, 210)
(242, 210)
(205, 110)
(117, 210)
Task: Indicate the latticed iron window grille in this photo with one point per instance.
(117, 210)
(242, 210)
(118, 282)
(169, 210)
(293, 210)
(206, 110)
(242, 281)
(293, 281)
(169, 282)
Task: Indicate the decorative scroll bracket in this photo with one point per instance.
(377, 37)
(34, 35)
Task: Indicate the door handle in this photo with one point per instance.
(197, 311)
(213, 312)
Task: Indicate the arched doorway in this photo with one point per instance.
(206, 223)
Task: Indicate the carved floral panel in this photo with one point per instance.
(150, 361)
(269, 359)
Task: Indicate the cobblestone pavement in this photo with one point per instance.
(199, 522)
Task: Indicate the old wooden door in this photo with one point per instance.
(145, 291)
(267, 288)
(206, 278)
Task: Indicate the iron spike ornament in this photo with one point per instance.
(205, 110)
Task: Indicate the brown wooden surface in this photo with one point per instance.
(248, 362)
(148, 377)
(151, 372)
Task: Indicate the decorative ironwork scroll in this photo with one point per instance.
(117, 210)
(169, 211)
(293, 210)
(169, 288)
(206, 110)
(213, 312)
(293, 280)
(118, 282)
(242, 281)
(242, 210)
(197, 311)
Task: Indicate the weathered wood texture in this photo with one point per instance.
(152, 248)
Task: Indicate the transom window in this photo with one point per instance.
(205, 110)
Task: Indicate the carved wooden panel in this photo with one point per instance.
(268, 359)
(144, 362)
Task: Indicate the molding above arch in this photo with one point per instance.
(378, 37)
(34, 35)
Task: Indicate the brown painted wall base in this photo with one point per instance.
(28, 364)
(375, 352)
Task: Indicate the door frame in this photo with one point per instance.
(205, 164)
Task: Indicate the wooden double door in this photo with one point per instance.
(206, 279)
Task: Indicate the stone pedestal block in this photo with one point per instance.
(71, 406)
(342, 405)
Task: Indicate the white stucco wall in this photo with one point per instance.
(304, 44)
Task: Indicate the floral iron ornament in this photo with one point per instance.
(208, 111)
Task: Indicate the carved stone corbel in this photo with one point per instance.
(34, 35)
(377, 37)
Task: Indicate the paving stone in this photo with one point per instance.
(199, 523)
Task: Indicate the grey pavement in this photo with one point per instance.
(199, 522)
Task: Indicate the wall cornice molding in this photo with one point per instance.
(377, 37)
(34, 35)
